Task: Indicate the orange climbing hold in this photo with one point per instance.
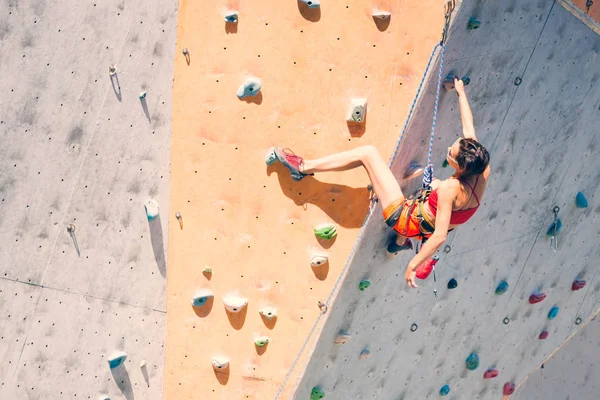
(425, 269)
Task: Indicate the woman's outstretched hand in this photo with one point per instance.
(410, 276)
(459, 85)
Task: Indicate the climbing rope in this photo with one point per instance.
(428, 174)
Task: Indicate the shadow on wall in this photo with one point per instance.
(121, 377)
(309, 14)
(158, 245)
(346, 206)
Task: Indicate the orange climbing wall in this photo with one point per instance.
(252, 224)
(594, 10)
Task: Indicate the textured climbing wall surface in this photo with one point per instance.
(78, 149)
(252, 225)
(540, 130)
(589, 7)
(572, 372)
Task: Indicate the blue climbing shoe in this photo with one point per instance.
(394, 247)
(291, 161)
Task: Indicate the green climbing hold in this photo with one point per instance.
(502, 287)
(452, 284)
(261, 341)
(472, 362)
(317, 393)
(363, 285)
(326, 231)
(445, 164)
(581, 201)
(473, 24)
(445, 390)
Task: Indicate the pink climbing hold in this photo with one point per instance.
(536, 298)
(490, 374)
(543, 335)
(508, 389)
(578, 284)
(425, 269)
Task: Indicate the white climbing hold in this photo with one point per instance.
(250, 87)
(312, 3)
(112, 69)
(201, 297)
(143, 94)
(365, 354)
(342, 338)
(117, 359)
(317, 261)
(381, 14)
(268, 312)
(103, 397)
(143, 364)
(357, 111)
(151, 206)
(220, 362)
(235, 304)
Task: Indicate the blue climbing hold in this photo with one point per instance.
(502, 287)
(202, 297)
(117, 359)
(581, 201)
(312, 3)
(251, 87)
(550, 231)
(231, 17)
(452, 284)
(553, 312)
(472, 362)
(473, 24)
(445, 390)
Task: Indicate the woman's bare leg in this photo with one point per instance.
(384, 183)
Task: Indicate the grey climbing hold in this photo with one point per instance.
(452, 284)
(185, 52)
(201, 297)
(365, 354)
(383, 15)
(250, 87)
(357, 111)
(553, 312)
(445, 390)
(112, 69)
(502, 287)
(317, 393)
(268, 312)
(342, 338)
(312, 3)
(472, 362)
(364, 284)
(231, 17)
(117, 359)
(317, 261)
(581, 201)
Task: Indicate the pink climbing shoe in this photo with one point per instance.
(291, 161)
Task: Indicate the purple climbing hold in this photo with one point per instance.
(508, 389)
(490, 373)
(578, 284)
(536, 298)
(543, 335)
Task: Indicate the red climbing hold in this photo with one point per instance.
(490, 374)
(543, 335)
(536, 298)
(425, 269)
(578, 284)
(509, 388)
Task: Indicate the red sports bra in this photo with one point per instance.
(459, 216)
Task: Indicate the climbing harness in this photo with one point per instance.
(427, 179)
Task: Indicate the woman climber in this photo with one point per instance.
(434, 211)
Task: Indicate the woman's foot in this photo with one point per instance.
(291, 161)
(394, 247)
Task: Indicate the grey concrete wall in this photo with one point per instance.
(543, 140)
(77, 149)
